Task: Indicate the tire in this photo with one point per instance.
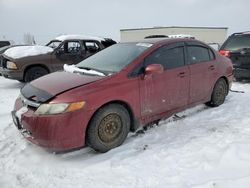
(219, 93)
(34, 73)
(108, 128)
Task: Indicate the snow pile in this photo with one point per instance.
(80, 37)
(207, 148)
(74, 69)
(181, 36)
(24, 51)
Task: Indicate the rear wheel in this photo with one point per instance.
(219, 93)
(34, 73)
(238, 79)
(108, 128)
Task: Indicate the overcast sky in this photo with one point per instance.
(46, 19)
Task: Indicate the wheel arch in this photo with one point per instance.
(35, 65)
(133, 121)
(227, 82)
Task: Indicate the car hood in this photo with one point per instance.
(46, 87)
(19, 52)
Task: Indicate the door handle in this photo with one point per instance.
(211, 67)
(182, 74)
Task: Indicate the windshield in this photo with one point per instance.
(115, 58)
(54, 44)
(237, 42)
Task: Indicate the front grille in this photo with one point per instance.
(1, 61)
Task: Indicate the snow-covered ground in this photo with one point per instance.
(209, 148)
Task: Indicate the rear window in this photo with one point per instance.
(237, 42)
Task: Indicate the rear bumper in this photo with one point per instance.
(241, 73)
(11, 74)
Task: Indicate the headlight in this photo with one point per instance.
(11, 65)
(48, 109)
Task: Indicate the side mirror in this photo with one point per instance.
(154, 69)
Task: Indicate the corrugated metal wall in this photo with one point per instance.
(205, 34)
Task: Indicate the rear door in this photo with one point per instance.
(203, 71)
(170, 89)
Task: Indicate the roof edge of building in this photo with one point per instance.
(173, 27)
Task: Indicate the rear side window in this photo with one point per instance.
(211, 53)
(198, 54)
(108, 42)
(168, 57)
(237, 42)
(92, 46)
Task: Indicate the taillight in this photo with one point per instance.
(225, 53)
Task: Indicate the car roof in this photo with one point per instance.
(241, 33)
(78, 37)
(158, 41)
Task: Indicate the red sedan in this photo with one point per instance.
(99, 101)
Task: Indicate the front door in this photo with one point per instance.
(70, 52)
(169, 90)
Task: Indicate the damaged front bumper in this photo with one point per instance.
(59, 132)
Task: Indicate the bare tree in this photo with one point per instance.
(29, 39)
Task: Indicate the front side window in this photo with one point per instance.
(54, 44)
(71, 47)
(197, 54)
(74, 47)
(168, 57)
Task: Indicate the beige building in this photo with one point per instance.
(205, 34)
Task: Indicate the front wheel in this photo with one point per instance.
(219, 93)
(108, 128)
(34, 73)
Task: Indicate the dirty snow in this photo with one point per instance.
(73, 68)
(24, 51)
(209, 148)
(80, 37)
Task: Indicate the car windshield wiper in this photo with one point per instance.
(93, 69)
(82, 70)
